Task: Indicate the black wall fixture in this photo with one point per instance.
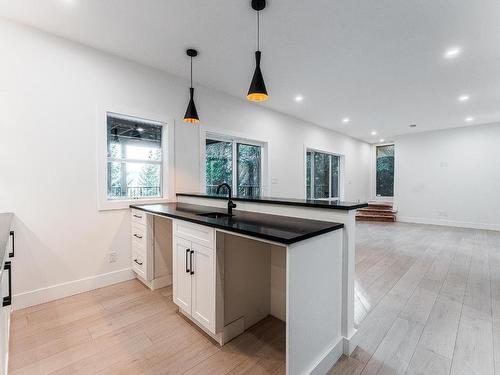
(257, 91)
(191, 115)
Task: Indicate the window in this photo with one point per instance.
(236, 163)
(249, 170)
(134, 158)
(322, 175)
(219, 164)
(385, 171)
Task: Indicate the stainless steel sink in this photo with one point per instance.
(215, 215)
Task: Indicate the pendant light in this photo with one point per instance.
(257, 91)
(191, 115)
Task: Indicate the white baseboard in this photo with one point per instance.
(159, 282)
(328, 359)
(350, 343)
(53, 292)
(448, 223)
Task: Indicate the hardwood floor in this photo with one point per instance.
(427, 302)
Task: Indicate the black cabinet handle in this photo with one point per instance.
(139, 263)
(7, 301)
(137, 236)
(187, 254)
(191, 259)
(137, 216)
(11, 254)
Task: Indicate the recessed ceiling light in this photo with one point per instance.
(140, 130)
(453, 52)
(382, 140)
(345, 120)
(463, 98)
(469, 119)
(374, 132)
(299, 98)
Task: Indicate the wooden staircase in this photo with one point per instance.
(377, 211)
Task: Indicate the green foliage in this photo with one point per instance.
(114, 171)
(249, 170)
(219, 157)
(149, 176)
(385, 171)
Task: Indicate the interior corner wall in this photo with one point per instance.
(449, 177)
(50, 92)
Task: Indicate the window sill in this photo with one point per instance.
(124, 204)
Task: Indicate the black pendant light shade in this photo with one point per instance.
(191, 115)
(257, 91)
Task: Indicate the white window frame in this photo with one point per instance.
(341, 173)
(234, 138)
(167, 147)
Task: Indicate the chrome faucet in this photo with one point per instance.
(230, 203)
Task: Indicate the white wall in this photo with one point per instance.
(450, 177)
(50, 93)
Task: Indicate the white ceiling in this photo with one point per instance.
(380, 63)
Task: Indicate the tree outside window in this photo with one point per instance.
(322, 175)
(234, 163)
(385, 171)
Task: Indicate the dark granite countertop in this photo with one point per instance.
(315, 203)
(5, 222)
(282, 229)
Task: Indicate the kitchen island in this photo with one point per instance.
(230, 272)
(318, 209)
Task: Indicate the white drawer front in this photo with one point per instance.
(139, 237)
(194, 232)
(139, 217)
(139, 263)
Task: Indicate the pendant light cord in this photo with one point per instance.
(258, 30)
(191, 71)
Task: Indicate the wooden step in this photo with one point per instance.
(375, 218)
(376, 210)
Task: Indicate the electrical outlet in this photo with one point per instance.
(443, 213)
(112, 257)
(274, 180)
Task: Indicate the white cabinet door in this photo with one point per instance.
(4, 344)
(182, 274)
(4, 323)
(203, 288)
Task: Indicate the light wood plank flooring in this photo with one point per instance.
(427, 302)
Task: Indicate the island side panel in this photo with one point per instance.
(314, 304)
(348, 278)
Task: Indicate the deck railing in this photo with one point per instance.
(134, 191)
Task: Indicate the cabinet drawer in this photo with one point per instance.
(139, 217)
(139, 263)
(139, 236)
(196, 233)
